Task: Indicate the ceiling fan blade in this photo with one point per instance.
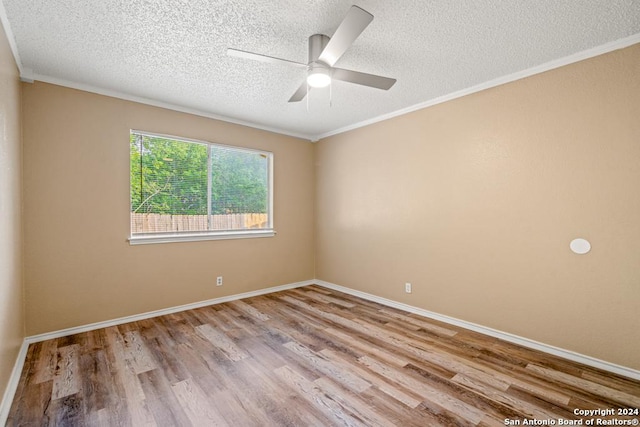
(350, 28)
(364, 79)
(263, 58)
(300, 93)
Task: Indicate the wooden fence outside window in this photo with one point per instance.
(159, 223)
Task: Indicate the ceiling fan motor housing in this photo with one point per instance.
(317, 43)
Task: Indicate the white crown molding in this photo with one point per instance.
(557, 63)
(27, 75)
(30, 77)
(525, 342)
(10, 37)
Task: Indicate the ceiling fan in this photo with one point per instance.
(324, 52)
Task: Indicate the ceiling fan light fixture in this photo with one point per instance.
(318, 76)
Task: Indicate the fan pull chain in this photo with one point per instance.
(307, 97)
(330, 93)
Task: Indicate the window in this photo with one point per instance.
(193, 190)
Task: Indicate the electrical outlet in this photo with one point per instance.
(219, 281)
(407, 287)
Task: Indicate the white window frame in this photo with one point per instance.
(150, 238)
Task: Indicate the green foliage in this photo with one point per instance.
(170, 177)
(238, 182)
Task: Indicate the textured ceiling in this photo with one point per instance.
(174, 51)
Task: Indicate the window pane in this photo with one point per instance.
(173, 193)
(239, 181)
(168, 185)
(239, 189)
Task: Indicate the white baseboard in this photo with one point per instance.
(162, 312)
(12, 386)
(525, 342)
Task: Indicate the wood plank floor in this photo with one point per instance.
(303, 357)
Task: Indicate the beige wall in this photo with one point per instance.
(79, 267)
(11, 292)
(475, 201)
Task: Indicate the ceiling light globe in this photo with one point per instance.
(318, 78)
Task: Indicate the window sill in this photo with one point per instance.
(197, 237)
